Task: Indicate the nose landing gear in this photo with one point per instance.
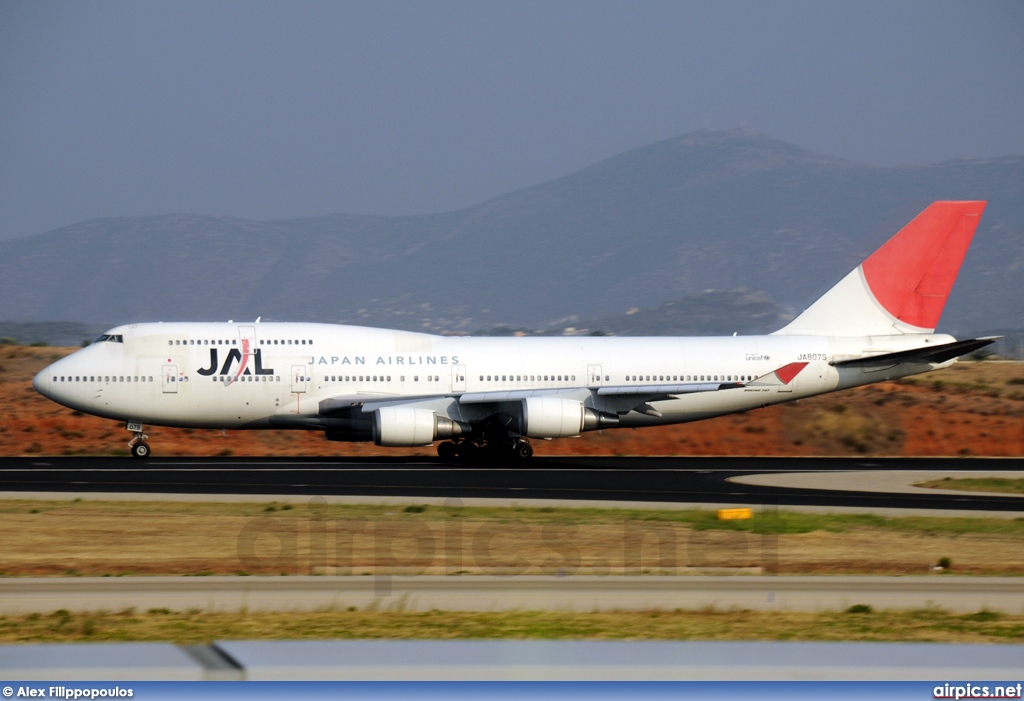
(138, 445)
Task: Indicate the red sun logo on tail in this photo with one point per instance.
(912, 274)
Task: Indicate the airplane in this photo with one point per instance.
(488, 397)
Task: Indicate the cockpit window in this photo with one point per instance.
(110, 338)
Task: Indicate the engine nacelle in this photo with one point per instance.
(557, 417)
(406, 427)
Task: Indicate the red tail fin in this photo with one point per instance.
(902, 287)
(911, 274)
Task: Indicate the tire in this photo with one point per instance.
(140, 450)
(447, 451)
(523, 451)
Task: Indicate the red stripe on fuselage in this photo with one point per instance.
(787, 372)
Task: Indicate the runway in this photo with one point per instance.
(715, 480)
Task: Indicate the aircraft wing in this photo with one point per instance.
(666, 391)
(783, 375)
(511, 395)
(353, 406)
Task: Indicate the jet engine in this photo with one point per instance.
(557, 417)
(406, 427)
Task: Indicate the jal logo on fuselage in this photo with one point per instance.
(243, 366)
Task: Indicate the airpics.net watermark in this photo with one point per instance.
(977, 691)
(446, 543)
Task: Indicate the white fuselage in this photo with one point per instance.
(229, 375)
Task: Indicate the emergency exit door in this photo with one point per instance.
(170, 383)
(298, 378)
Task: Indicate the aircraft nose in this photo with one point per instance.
(41, 382)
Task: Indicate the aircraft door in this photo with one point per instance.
(247, 340)
(170, 382)
(298, 378)
(458, 378)
(594, 376)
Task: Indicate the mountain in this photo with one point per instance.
(711, 210)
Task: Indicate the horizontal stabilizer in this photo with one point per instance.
(930, 354)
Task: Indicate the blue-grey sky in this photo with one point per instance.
(285, 109)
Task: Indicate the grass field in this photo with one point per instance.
(856, 623)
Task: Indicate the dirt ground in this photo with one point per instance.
(973, 408)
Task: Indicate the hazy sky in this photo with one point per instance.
(285, 109)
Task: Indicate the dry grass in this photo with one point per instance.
(200, 627)
(42, 538)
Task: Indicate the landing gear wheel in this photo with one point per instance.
(522, 450)
(138, 445)
(447, 451)
(468, 452)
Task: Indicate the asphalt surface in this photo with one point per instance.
(675, 479)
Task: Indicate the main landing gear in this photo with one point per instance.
(138, 445)
(512, 448)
